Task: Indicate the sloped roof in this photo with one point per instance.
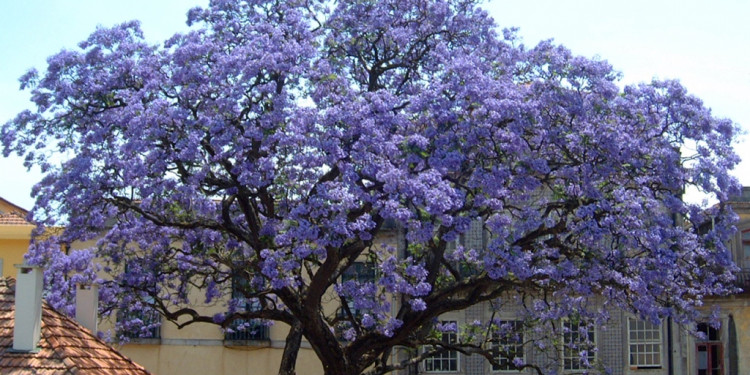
(65, 347)
(7, 205)
(13, 218)
(11, 214)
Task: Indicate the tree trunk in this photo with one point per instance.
(291, 349)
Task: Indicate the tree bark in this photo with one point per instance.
(291, 349)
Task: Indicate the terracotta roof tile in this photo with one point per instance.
(13, 218)
(65, 346)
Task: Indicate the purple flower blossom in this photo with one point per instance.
(417, 304)
(447, 327)
(277, 145)
(391, 325)
(367, 321)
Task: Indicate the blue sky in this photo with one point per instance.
(706, 47)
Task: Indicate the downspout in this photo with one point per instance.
(670, 359)
(670, 339)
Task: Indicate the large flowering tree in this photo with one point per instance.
(273, 145)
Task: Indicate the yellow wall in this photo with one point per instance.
(741, 314)
(14, 239)
(12, 251)
(216, 359)
(200, 349)
(742, 324)
(739, 305)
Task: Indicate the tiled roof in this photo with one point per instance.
(10, 214)
(65, 346)
(12, 218)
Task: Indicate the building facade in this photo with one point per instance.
(625, 345)
(15, 233)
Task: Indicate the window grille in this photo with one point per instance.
(446, 361)
(644, 344)
(508, 344)
(579, 342)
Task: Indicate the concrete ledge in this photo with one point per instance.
(277, 344)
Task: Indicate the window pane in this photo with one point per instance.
(145, 323)
(578, 338)
(360, 272)
(446, 361)
(507, 342)
(712, 334)
(242, 329)
(644, 344)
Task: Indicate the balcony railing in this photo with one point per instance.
(252, 332)
(743, 279)
(148, 326)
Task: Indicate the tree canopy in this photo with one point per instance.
(273, 145)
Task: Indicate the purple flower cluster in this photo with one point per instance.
(266, 152)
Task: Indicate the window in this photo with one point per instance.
(709, 351)
(140, 320)
(578, 346)
(446, 361)
(508, 344)
(743, 261)
(140, 324)
(644, 344)
(241, 329)
(709, 332)
(359, 272)
(476, 238)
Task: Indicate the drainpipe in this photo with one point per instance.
(670, 359)
(670, 339)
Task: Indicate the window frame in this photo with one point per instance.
(146, 315)
(463, 269)
(712, 333)
(574, 359)
(712, 343)
(659, 340)
(360, 272)
(452, 338)
(518, 326)
(255, 331)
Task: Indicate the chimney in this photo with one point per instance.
(87, 305)
(28, 319)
